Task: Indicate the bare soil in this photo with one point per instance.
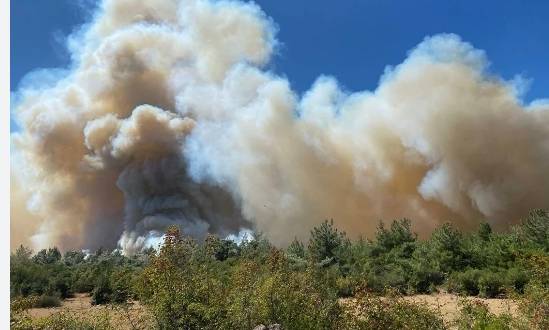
(130, 317)
(447, 305)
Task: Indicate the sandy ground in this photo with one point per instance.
(447, 305)
(133, 317)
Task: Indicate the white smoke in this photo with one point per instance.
(167, 117)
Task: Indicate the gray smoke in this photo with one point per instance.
(166, 117)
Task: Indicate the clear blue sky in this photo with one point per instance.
(352, 40)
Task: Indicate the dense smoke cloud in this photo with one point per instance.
(166, 116)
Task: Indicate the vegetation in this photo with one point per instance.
(219, 284)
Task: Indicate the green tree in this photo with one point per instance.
(296, 249)
(398, 234)
(484, 231)
(220, 249)
(535, 228)
(72, 258)
(49, 256)
(102, 292)
(324, 242)
(447, 249)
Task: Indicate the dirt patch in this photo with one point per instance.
(79, 303)
(447, 305)
(131, 316)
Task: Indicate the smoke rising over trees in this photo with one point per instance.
(168, 117)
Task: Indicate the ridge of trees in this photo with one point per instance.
(221, 283)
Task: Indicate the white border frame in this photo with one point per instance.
(5, 156)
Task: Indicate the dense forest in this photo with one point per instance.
(219, 284)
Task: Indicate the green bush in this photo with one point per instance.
(65, 320)
(466, 283)
(475, 315)
(345, 286)
(381, 278)
(491, 284)
(534, 306)
(424, 273)
(370, 312)
(83, 285)
(280, 295)
(45, 301)
(102, 293)
(120, 282)
(220, 284)
(197, 294)
(516, 279)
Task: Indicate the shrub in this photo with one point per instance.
(516, 279)
(102, 292)
(20, 304)
(370, 312)
(281, 294)
(475, 315)
(535, 303)
(66, 320)
(120, 282)
(388, 276)
(490, 284)
(278, 295)
(424, 280)
(465, 283)
(345, 286)
(46, 301)
(224, 285)
(60, 285)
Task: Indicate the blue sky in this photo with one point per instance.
(352, 40)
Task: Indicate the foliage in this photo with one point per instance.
(535, 229)
(296, 249)
(185, 291)
(47, 301)
(219, 284)
(535, 303)
(475, 315)
(324, 242)
(371, 312)
(102, 292)
(106, 274)
(64, 320)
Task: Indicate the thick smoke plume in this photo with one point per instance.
(166, 116)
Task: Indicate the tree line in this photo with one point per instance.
(219, 284)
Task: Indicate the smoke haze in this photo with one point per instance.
(168, 117)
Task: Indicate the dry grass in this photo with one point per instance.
(447, 305)
(128, 317)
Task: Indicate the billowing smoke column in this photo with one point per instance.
(167, 118)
